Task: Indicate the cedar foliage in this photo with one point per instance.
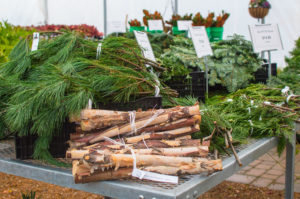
(290, 75)
(46, 86)
(232, 64)
(232, 112)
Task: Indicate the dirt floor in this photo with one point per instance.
(11, 187)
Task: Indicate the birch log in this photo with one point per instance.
(213, 165)
(166, 143)
(172, 125)
(164, 135)
(126, 160)
(193, 151)
(120, 117)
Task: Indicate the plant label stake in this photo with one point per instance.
(202, 46)
(266, 37)
(116, 27)
(155, 25)
(35, 41)
(144, 43)
(184, 24)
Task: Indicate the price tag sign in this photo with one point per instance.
(200, 41)
(184, 24)
(143, 41)
(155, 25)
(116, 26)
(265, 37)
(35, 41)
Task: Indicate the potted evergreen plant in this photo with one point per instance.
(217, 27)
(198, 20)
(259, 8)
(174, 24)
(135, 25)
(155, 16)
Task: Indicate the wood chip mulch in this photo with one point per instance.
(12, 187)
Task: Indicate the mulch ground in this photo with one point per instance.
(12, 187)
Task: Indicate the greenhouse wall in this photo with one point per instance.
(33, 12)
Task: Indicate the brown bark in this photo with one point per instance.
(126, 160)
(185, 137)
(209, 167)
(114, 131)
(173, 125)
(193, 151)
(122, 173)
(164, 135)
(166, 143)
(96, 113)
(77, 135)
(141, 117)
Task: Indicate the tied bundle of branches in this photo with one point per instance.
(60, 77)
(150, 136)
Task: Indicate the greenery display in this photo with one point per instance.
(9, 37)
(232, 64)
(257, 111)
(86, 30)
(44, 87)
(291, 74)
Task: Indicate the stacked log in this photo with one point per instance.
(106, 142)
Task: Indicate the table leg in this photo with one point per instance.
(290, 167)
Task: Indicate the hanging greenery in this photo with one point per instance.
(58, 79)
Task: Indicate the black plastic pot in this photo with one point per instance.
(193, 86)
(24, 145)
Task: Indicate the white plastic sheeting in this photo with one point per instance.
(32, 12)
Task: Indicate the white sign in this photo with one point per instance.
(265, 37)
(155, 25)
(200, 41)
(35, 41)
(143, 41)
(116, 26)
(184, 24)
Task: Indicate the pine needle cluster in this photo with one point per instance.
(40, 89)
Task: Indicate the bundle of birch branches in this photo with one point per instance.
(107, 142)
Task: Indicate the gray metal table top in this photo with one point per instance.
(189, 186)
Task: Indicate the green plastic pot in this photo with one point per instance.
(175, 31)
(208, 31)
(137, 28)
(216, 33)
(154, 31)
